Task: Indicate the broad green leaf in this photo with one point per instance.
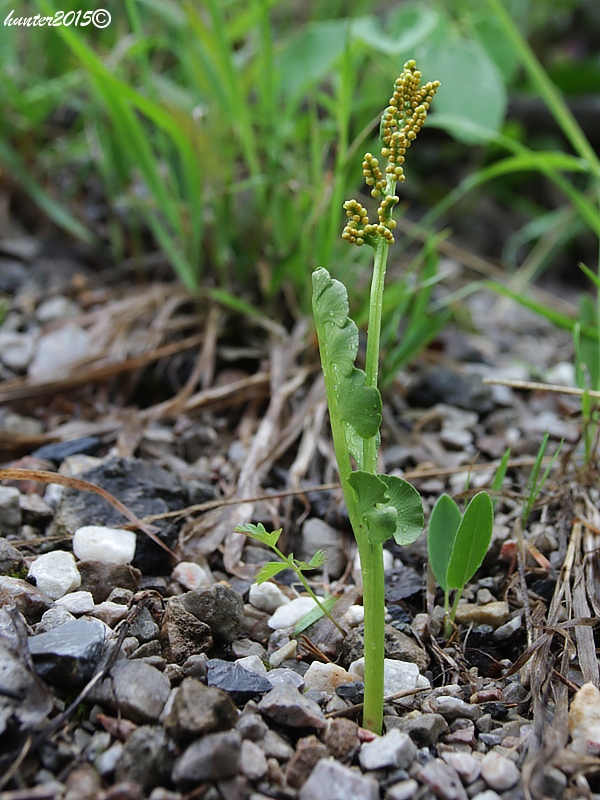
(472, 86)
(310, 54)
(390, 506)
(497, 44)
(315, 614)
(259, 533)
(404, 30)
(372, 502)
(409, 509)
(471, 542)
(269, 570)
(443, 527)
(348, 397)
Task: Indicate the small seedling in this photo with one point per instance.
(260, 534)
(457, 544)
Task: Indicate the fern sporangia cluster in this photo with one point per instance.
(400, 124)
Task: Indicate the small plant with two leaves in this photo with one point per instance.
(457, 544)
(260, 534)
(379, 507)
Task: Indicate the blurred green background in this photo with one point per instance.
(221, 137)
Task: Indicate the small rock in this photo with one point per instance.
(341, 739)
(109, 613)
(77, 603)
(443, 780)
(215, 757)
(55, 616)
(286, 651)
(182, 634)
(252, 664)
(146, 758)
(584, 720)
(275, 746)
(353, 692)
(309, 751)
(10, 510)
(334, 781)
(452, 388)
(403, 790)
(283, 675)
(219, 607)
(55, 573)
(395, 750)
(355, 616)
(143, 627)
(494, 614)
(17, 349)
(57, 307)
(398, 647)
(286, 706)
(423, 729)
(240, 683)
(101, 577)
(488, 795)
(453, 708)
(58, 452)
(198, 710)
(191, 576)
(288, 615)
(267, 597)
(554, 782)
(467, 766)
(35, 510)
(316, 534)
(135, 690)
(253, 762)
(100, 543)
(11, 560)
(58, 350)
(325, 677)
(251, 726)
(397, 675)
(498, 772)
(68, 654)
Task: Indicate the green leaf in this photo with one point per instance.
(315, 614)
(409, 509)
(443, 527)
(406, 29)
(390, 506)
(472, 86)
(471, 542)
(269, 570)
(310, 54)
(352, 402)
(259, 533)
(318, 559)
(372, 503)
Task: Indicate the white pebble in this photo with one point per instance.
(191, 576)
(252, 664)
(267, 597)
(354, 616)
(104, 544)
(58, 350)
(287, 651)
(290, 614)
(325, 677)
(55, 573)
(397, 675)
(77, 602)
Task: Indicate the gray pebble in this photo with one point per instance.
(332, 780)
